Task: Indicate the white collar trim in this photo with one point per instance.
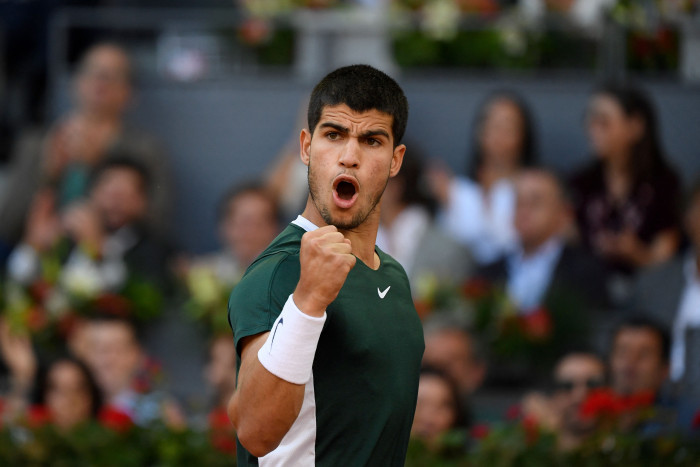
(304, 223)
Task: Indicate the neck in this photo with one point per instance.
(617, 166)
(97, 117)
(532, 247)
(362, 238)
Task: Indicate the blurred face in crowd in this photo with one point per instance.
(636, 363)
(119, 197)
(115, 355)
(103, 81)
(611, 131)
(68, 396)
(452, 352)
(574, 377)
(221, 370)
(541, 212)
(249, 225)
(350, 156)
(501, 133)
(692, 222)
(436, 408)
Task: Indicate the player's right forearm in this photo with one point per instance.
(264, 406)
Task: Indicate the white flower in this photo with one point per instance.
(57, 303)
(441, 19)
(81, 279)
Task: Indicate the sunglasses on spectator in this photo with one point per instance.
(566, 385)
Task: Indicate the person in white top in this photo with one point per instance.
(478, 211)
(407, 230)
(670, 291)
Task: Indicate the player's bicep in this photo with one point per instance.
(250, 346)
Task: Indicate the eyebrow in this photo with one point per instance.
(366, 134)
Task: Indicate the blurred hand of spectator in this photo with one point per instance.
(43, 225)
(18, 355)
(82, 223)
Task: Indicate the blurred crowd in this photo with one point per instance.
(602, 266)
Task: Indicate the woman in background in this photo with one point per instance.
(66, 394)
(627, 200)
(478, 211)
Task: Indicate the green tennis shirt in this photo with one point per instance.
(359, 405)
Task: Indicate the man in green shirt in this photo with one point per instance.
(328, 340)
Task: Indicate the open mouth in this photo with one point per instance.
(345, 190)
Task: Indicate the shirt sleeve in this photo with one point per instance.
(258, 299)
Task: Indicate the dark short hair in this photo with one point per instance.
(42, 383)
(119, 161)
(362, 88)
(247, 188)
(640, 320)
(103, 316)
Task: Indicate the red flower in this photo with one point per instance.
(40, 290)
(476, 288)
(36, 319)
(537, 325)
(112, 304)
(218, 420)
(514, 412)
(480, 431)
(696, 421)
(222, 434)
(255, 31)
(115, 419)
(422, 308)
(38, 415)
(532, 430)
(604, 402)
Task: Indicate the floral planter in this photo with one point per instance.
(328, 39)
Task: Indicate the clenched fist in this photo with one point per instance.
(326, 260)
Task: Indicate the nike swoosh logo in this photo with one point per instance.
(274, 333)
(383, 294)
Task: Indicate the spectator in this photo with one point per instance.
(64, 393)
(407, 233)
(437, 408)
(626, 201)
(639, 365)
(248, 222)
(639, 358)
(478, 212)
(122, 372)
(62, 157)
(68, 393)
(111, 242)
(220, 371)
(575, 375)
(451, 348)
(544, 266)
(671, 290)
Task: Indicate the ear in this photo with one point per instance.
(305, 146)
(397, 159)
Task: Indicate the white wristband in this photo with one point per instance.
(290, 347)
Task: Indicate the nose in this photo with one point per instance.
(350, 156)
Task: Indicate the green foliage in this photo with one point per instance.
(96, 445)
